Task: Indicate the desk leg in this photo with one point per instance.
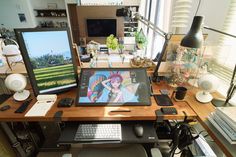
(12, 138)
(51, 132)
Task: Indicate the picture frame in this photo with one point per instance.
(52, 5)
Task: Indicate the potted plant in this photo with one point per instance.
(112, 43)
(140, 39)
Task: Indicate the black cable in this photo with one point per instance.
(199, 3)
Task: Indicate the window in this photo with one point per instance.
(224, 58)
(156, 11)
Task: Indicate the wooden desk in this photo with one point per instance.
(99, 112)
(191, 107)
(16, 68)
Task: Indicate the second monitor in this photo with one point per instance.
(114, 86)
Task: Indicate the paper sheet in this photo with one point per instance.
(39, 109)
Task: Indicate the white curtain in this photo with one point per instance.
(226, 55)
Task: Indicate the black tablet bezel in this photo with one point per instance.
(115, 104)
(27, 62)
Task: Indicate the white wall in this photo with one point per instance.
(9, 10)
(43, 4)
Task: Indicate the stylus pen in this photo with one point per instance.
(120, 111)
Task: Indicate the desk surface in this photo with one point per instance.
(20, 67)
(99, 112)
(191, 107)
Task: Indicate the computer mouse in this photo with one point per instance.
(138, 130)
(57, 116)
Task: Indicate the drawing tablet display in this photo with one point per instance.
(114, 86)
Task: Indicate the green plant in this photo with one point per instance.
(112, 42)
(140, 39)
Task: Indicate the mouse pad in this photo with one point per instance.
(163, 100)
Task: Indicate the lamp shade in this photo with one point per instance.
(194, 37)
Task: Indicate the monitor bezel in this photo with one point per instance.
(86, 20)
(27, 63)
(114, 104)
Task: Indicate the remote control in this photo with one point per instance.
(23, 107)
(169, 110)
(4, 108)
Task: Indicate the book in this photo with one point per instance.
(42, 106)
(228, 114)
(226, 128)
(204, 148)
(218, 127)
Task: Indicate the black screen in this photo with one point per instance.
(114, 86)
(101, 27)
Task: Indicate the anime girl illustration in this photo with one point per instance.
(115, 93)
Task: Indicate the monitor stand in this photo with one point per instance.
(220, 103)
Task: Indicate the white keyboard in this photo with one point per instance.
(98, 132)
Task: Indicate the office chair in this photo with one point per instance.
(132, 150)
(11, 52)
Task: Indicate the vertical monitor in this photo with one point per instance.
(47, 54)
(114, 86)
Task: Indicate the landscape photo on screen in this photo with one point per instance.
(113, 87)
(50, 58)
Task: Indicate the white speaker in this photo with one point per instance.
(208, 83)
(17, 83)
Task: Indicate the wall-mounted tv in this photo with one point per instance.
(101, 27)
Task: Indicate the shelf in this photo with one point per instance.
(49, 9)
(130, 27)
(129, 32)
(61, 13)
(130, 21)
(51, 16)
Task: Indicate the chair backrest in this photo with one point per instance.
(132, 150)
(10, 49)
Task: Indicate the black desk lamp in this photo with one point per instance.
(194, 39)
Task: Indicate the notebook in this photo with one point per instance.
(42, 106)
(163, 100)
(228, 113)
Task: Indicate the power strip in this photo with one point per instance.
(205, 148)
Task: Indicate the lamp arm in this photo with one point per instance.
(149, 24)
(155, 77)
(215, 30)
(167, 36)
